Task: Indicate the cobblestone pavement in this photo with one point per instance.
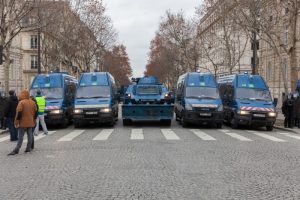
(148, 161)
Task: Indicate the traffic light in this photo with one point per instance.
(1, 54)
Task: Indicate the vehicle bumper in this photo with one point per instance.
(54, 118)
(147, 112)
(203, 117)
(250, 120)
(98, 118)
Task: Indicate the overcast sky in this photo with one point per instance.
(136, 22)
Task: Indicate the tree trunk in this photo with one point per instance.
(293, 67)
(6, 66)
(292, 50)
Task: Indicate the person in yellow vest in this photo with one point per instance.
(41, 102)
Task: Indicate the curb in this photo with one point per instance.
(3, 131)
(286, 129)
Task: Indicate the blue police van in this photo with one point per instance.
(247, 101)
(197, 100)
(59, 91)
(96, 99)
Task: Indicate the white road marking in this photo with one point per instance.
(137, 134)
(4, 138)
(266, 136)
(169, 134)
(104, 134)
(71, 136)
(202, 135)
(239, 137)
(40, 136)
(290, 135)
(224, 130)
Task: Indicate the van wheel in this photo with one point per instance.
(219, 125)
(184, 124)
(65, 123)
(269, 128)
(126, 122)
(234, 123)
(77, 124)
(166, 122)
(111, 124)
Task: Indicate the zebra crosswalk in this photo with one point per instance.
(138, 134)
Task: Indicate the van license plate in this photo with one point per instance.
(259, 115)
(205, 114)
(91, 113)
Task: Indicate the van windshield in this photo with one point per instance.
(48, 93)
(93, 92)
(253, 94)
(202, 93)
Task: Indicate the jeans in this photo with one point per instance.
(12, 129)
(40, 118)
(21, 136)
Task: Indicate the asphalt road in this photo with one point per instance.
(149, 161)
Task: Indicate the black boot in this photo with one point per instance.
(27, 150)
(13, 153)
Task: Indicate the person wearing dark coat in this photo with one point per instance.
(297, 111)
(10, 114)
(288, 111)
(2, 109)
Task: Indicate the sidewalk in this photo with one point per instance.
(279, 124)
(3, 131)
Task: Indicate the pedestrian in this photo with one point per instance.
(10, 114)
(33, 128)
(2, 109)
(24, 121)
(41, 102)
(297, 111)
(288, 111)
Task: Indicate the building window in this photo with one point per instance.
(34, 42)
(34, 62)
(269, 72)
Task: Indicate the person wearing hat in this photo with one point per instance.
(41, 102)
(10, 114)
(25, 119)
(288, 111)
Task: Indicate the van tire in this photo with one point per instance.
(126, 122)
(270, 128)
(77, 124)
(234, 123)
(65, 122)
(184, 124)
(166, 122)
(219, 125)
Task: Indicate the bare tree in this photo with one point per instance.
(13, 20)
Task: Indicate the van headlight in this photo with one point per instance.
(188, 106)
(56, 112)
(272, 114)
(78, 111)
(220, 108)
(243, 112)
(105, 110)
